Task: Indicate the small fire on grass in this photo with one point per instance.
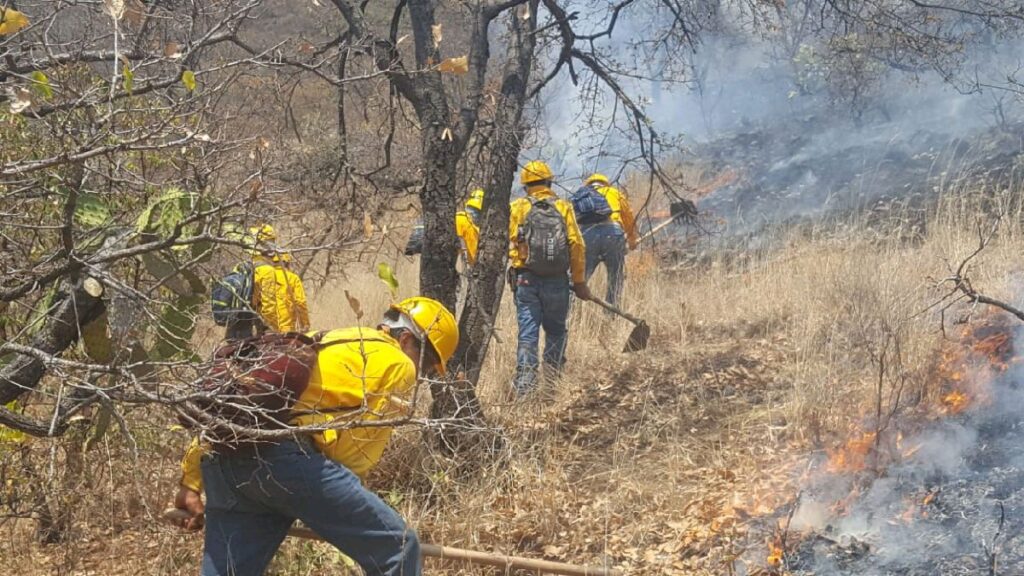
(853, 455)
(776, 554)
(955, 402)
(917, 508)
(966, 374)
(967, 371)
(775, 557)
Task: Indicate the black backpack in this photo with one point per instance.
(590, 206)
(231, 296)
(415, 243)
(546, 238)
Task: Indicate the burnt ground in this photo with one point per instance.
(955, 509)
(952, 504)
(812, 168)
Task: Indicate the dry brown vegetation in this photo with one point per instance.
(655, 462)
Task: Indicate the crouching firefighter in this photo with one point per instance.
(256, 489)
(545, 248)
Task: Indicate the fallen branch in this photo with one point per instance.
(962, 286)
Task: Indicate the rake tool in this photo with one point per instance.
(641, 333)
(687, 209)
(508, 563)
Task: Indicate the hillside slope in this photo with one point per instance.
(669, 461)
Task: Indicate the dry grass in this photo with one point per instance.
(654, 462)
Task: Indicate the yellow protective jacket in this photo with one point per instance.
(622, 213)
(366, 378)
(468, 233)
(278, 297)
(517, 250)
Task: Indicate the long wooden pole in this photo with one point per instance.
(658, 228)
(175, 515)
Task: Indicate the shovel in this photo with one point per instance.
(641, 331)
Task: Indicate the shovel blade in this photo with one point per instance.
(638, 338)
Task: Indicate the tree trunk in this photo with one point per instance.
(487, 281)
(441, 150)
(73, 308)
(438, 277)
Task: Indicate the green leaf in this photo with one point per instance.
(41, 84)
(387, 275)
(188, 78)
(129, 78)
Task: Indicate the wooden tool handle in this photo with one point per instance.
(657, 228)
(175, 515)
(616, 310)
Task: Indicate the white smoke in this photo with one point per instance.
(936, 511)
(737, 81)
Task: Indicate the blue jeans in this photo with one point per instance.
(607, 243)
(253, 497)
(541, 302)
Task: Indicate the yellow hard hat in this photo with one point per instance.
(436, 322)
(476, 199)
(535, 171)
(597, 177)
(263, 233)
(258, 239)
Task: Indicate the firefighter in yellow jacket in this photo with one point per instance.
(253, 495)
(278, 295)
(467, 228)
(467, 225)
(608, 232)
(546, 251)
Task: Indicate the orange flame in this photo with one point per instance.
(995, 347)
(955, 402)
(852, 456)
(775, 556)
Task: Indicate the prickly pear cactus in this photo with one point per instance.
(168, 211)
(175, 328)
(180, 289)
(91, 211)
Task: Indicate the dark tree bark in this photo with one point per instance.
(487, 279)
(73, 307)
(486, 282)
(441, 152)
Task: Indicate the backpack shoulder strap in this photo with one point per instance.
(317, 339)
(546, 201)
